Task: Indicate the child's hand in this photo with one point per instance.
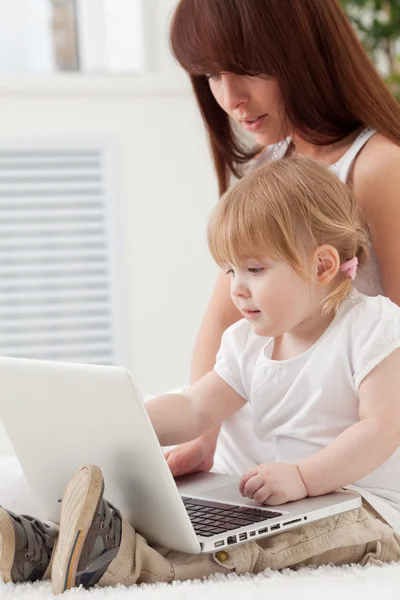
(273, 483)
(190, 457)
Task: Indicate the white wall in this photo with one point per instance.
(166, 190)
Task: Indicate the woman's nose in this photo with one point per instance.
(234, 93)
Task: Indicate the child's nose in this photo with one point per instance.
(239, 288)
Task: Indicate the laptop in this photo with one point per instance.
(60, 416)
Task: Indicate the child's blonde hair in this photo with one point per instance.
(286, 209)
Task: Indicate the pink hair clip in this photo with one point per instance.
(350, 267)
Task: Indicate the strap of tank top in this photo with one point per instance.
(343, 165)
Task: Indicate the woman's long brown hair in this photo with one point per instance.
(328, 83)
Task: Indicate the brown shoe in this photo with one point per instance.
(90, 533)
(26, 545)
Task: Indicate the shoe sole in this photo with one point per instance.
(7, 546)
(79, 506)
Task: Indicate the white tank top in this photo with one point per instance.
(368, 280)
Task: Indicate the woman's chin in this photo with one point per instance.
(267, 139)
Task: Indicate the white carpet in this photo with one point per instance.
(325, 583)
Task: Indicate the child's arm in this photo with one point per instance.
(365, 446)
(178, 418)
(355, 453)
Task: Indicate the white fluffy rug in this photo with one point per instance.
(325, 583)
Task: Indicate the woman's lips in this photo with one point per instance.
(254, 124)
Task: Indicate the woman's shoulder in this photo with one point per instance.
(377, 164)
(378, 149)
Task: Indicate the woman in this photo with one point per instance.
(294, 76)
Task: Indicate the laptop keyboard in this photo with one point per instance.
(210, 518)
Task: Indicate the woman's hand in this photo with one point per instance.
(273, 483)
(192, 457)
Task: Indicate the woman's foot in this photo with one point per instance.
(90, 533)
(26, 545)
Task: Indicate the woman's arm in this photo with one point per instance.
(365, 446)
(376, 186)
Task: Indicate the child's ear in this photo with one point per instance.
(327, 263)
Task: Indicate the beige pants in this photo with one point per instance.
(359, 536)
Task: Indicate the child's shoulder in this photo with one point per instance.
(370, 332)
(371, 321)
(241, 336)
(370, 310)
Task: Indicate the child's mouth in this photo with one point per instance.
(251, 314)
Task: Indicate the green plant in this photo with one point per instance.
(377, 23)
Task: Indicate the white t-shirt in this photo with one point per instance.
(301, 405)
(237, 448)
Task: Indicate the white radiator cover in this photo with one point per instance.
(59, 261)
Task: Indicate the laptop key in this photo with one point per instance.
(219, 524)
(240, 522)
(230, 526)
(265, 514)
(208, 522)
(272, 515)
(219, 530)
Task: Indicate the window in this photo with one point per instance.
(45, 36)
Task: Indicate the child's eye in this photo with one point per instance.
(229, 272)
(255, 270)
